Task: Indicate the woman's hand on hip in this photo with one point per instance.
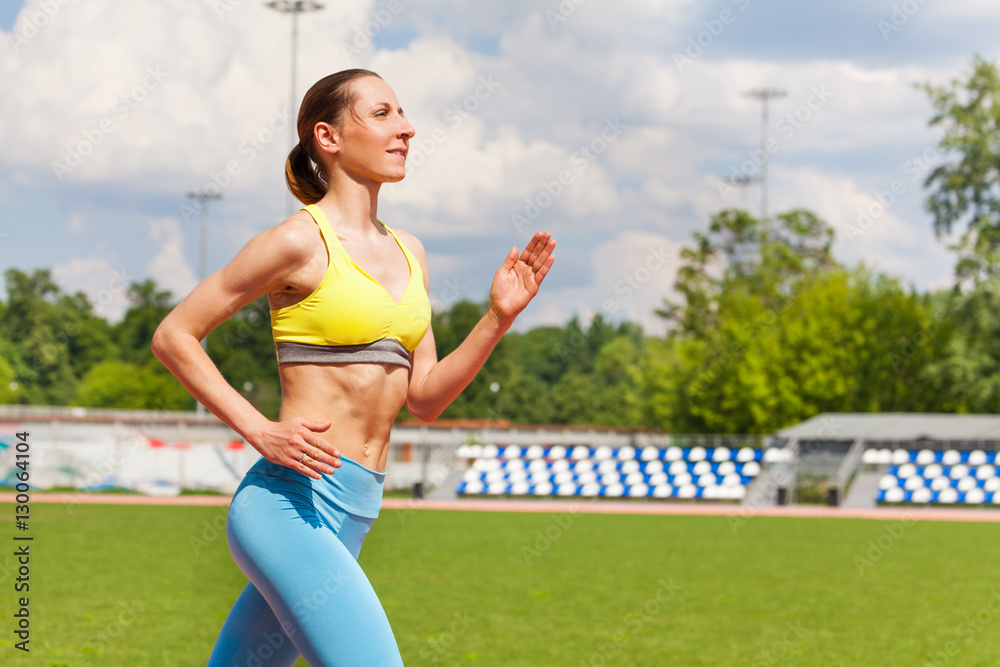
(516, 281)
(297, 444)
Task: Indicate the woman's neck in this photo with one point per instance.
(352, 206)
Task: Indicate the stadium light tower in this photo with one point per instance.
(202, 198)
(293, 7)
(764, 95)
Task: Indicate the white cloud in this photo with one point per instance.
(169, 268)
(105, 285)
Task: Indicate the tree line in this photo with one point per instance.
(770, 329)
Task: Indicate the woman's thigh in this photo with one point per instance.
(308, 576)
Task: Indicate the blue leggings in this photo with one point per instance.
(297, 539)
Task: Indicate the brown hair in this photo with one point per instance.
(324, 102)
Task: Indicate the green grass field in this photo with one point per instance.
(150, 586)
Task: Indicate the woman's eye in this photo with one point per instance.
(382, 113)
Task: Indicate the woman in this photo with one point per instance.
(351, 319)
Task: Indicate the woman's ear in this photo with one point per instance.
(327, 138)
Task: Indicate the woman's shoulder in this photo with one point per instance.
(295, 237)
(410, 241)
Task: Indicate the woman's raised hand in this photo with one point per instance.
(516, 282)
(285, 442)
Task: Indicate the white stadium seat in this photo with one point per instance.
(977, 457)
(888, 482)
(975, 496)
(650, 453)
(557, 452)
(959, 471)
(966, 484)
(925, 457)
(721, 454)
(626, 453)
(697, 454)
(663, 491)
(951, 457)
(940, 483)
(675, 454)
(745, 454)
(900, 456)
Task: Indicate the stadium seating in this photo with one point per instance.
(615, 472)
(935, 476)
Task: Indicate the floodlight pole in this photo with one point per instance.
(764, 95)
(293, 7)
(202, 198)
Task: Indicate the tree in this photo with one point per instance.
(965, 190)
(739, 251)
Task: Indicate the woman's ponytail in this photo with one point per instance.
(306, 180)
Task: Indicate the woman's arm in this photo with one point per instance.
(273, 261)
(435, 384)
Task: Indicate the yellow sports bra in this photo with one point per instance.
(350, 317)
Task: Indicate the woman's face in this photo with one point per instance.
(374, 140)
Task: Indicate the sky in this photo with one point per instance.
(612, 125)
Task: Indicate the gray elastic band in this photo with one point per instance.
(385, 351)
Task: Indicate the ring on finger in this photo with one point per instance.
(301, 458)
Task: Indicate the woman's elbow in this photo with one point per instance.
(422, 411)
(161, 343)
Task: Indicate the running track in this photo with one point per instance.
(569, 506)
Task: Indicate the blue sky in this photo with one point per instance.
(505, 97)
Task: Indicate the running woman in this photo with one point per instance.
(351, 316)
